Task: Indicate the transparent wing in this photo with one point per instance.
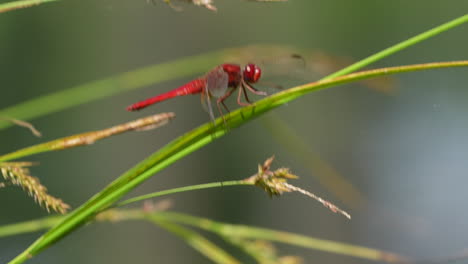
(206, 103)
(217, 82)
(287, 66)
(216, 86)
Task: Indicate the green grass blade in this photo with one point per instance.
(400, 46)
(248, 232)
(182, 189)
(196, 241)
(29, 226)
(21, 4)
(225, 230)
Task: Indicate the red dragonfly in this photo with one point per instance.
(220, 83)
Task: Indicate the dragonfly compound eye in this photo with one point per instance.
(252, 73)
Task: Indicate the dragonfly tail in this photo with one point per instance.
(193, 87)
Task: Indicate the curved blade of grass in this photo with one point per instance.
(192, 141)
(183, 189)
(248, 232)
(30, 226)
(400, 46)
(21, 4)
(195, 240)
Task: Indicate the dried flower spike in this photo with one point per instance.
(142, 124)
(275, 184)
(18, 174)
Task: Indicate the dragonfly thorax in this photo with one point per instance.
(234, 73)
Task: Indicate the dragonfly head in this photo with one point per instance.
(252, 73)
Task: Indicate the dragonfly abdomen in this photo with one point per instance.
(193, 87)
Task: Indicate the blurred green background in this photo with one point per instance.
(404, 152)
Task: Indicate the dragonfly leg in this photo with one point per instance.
(242, 90)
(225, 107)
(222, 99)
(220, 102)
(252, 89)
(245, 95)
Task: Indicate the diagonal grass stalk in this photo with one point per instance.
(87, 138)
(10, 6)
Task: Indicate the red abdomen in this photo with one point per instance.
(194, 87)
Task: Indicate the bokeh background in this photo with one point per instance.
(403, 153)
